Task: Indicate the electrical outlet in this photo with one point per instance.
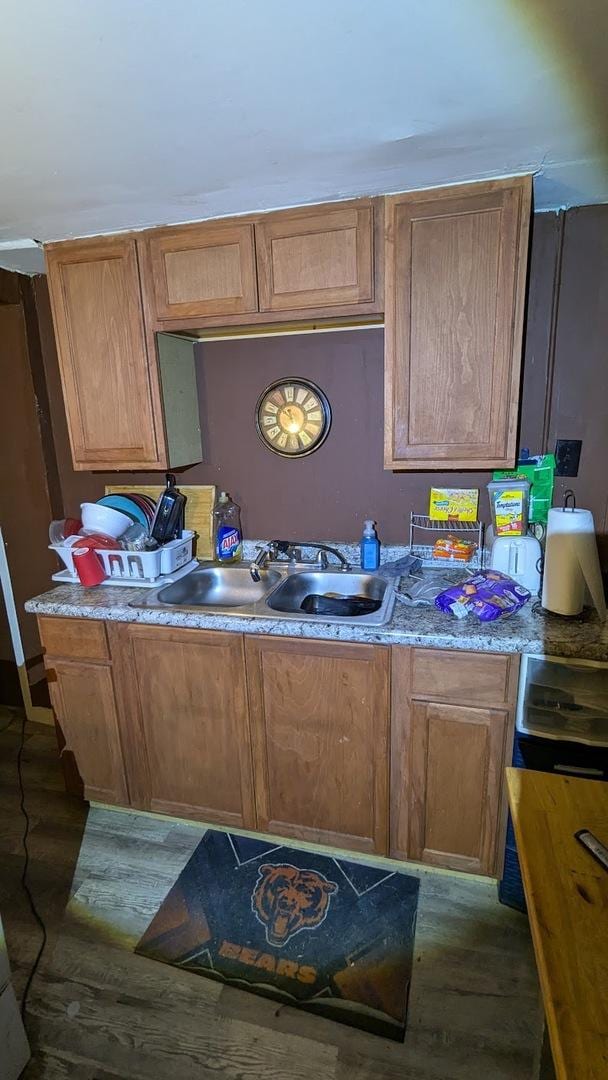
(567, 456)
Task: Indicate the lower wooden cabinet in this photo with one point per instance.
(319, 713)
(454, 785)
(82, 695)
(183, 702)
(448, 751)
(291, 736)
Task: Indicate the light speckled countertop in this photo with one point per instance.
(526, 631)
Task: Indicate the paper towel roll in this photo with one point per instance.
(571, 563)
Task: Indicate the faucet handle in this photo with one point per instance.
(322, 559)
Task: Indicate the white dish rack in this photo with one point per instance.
(146, 569)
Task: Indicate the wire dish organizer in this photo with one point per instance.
(143, 568)
(422, 528)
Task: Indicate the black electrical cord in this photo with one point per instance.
(26, 863)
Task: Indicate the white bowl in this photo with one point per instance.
(104, 519)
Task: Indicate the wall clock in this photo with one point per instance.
(292, 417)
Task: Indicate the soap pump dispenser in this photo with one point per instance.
(370, 547)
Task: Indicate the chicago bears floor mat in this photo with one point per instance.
(324, 934)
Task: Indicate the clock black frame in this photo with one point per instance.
(325, 407)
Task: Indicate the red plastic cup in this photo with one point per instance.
(71, 526)
(89, 566)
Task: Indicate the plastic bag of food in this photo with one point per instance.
(489, 595)
(451, 547)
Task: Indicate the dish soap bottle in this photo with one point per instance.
(370, 547)
(228, 532)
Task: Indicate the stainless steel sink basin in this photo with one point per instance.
(289, 596)
(218, 586)
(277, 595)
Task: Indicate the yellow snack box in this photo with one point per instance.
(455, 504)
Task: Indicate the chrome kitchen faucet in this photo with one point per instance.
(292, 549)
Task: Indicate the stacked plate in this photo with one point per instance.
(140, 508)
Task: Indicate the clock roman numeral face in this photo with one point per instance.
(293, 417)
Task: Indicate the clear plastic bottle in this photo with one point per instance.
(228, 532)
(370, 547)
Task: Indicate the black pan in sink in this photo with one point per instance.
(346, 606)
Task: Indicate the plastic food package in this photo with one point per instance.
(509, 506)
(450, 547)
(488, 594)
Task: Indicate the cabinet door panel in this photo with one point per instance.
(456, 759)
(111, 391)
(201, 270)
(83, 699)
(320, 718)
(315, 258)
(186, 698)
(456, 264)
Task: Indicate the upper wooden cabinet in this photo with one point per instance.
(110, 389)
(117, 394)
(317, 260)
(197, 271)
(316, 257)
(455, 281)
(319, 714)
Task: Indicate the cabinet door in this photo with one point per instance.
(316, 257)
(111, 390)
(184, 696)
(455, 282)
(319, 714)
(82, 695)
(201, 270)
(454, 785)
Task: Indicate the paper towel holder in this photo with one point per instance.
(572, 569)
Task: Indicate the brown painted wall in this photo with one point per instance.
(579, 391)
(329, 493)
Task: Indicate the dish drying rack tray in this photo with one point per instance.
(147, 569)
(421, 544)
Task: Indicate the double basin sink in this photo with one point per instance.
(340, 596)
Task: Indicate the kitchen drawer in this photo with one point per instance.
(461, 676)
(82, 639)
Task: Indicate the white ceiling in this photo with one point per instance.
(117, 114)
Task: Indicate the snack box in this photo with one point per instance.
(455, 504)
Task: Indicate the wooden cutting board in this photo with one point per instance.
(199, 509)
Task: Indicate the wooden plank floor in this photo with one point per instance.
(97, 1011)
